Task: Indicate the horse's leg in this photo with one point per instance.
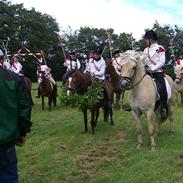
(158, 122)
(85, 119)
(49, 102)
(151, 128)
(93, 114)
(181, 96)
(106, 112)
(137, 115)
(122, 98)
(171, 120)
(54, 100)
(110, 110)
(42, 102)
(118, 96)
(96, 116)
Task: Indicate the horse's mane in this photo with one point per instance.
(83, 80)
(137, 56)
(111, 70)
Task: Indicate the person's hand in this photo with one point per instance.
(21, 141)
(148, 70)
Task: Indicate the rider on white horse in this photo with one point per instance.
(156, 60)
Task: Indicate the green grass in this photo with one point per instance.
(56, 150)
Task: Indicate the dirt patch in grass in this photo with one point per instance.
(96, 155)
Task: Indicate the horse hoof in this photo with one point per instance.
(153, 149)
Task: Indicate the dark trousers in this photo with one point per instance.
(162, 88)
(8, 166)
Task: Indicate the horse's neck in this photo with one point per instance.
(114, 76)
(139, 74)
(85, 81)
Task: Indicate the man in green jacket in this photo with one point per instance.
(15, 114)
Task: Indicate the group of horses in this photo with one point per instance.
(142, 96)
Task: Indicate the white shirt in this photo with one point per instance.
(45, 69)
(156, 56)
(98, 68)
(72, 64)
(16, 67)
(6, 64)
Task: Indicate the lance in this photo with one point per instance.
(42, 54)
(109, 34)
(63, 51)
(5, 46)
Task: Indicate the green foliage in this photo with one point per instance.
(92, 96)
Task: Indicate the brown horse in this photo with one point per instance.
(115, 81)
(46, 89)
(79, 82)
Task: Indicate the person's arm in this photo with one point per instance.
(101, 71)
(78, 64)
(24, 110)
(161, 61)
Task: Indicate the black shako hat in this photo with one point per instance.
(151, 35)
(98, 51)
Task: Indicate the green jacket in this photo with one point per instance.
(15, 109)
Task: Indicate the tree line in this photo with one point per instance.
(40, 32)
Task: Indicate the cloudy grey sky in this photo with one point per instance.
(131, 16)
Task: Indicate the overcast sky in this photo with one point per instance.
(130, 16)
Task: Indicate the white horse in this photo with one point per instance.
(143, 95)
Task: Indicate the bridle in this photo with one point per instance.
(79, 88)
(129, 79)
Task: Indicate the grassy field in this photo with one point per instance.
(56, 151)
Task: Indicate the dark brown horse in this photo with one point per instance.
(79, 82)
(46, 89)
(115, 80)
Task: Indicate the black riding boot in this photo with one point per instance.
(163, 95)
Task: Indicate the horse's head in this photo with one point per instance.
(127, 73)
(77, 82)
(41, 77)
(129, 64)
(178, 74)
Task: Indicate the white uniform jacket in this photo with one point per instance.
(72, 64)
(98, 68)
(17, 68)
(156, 56)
